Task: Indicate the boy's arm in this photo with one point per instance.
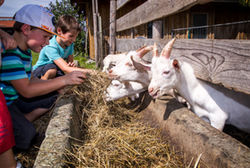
(7, 40)
(31, 88)
(63, 65)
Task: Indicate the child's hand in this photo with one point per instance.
(90, 71)
(72, 64)
(75, 77)
(8, 41)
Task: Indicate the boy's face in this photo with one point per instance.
(69, 37)
(37, 39)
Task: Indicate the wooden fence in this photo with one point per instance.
(225, 62)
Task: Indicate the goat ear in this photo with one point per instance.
(176, 64)
(139, 66)
(166, 51)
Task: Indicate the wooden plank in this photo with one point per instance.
(186, 131)
(152, 10)
(121, 3)
(90, 31)
(95, 30)
(223, 62)
(112, 27)
(157, 29)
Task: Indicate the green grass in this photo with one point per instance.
(82, 62)
(80, 58)
(34, 57)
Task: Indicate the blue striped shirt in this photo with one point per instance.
(16, 64)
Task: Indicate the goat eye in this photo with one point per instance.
(166, 72)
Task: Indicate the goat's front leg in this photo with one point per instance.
(216, 119)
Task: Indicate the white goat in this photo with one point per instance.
(112, 60)
(134, 69)
(117, 90)
(122, 89)
(208, 103)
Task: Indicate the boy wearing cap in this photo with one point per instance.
(7, 141)
(7, 159)
(27, 98)
(56, 59)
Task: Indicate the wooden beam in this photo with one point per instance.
(95, 30)
(152, 10)
(223, 62)
(185, 130)
(90, 31)
(157, 29)
(121, 3)
(112, 28)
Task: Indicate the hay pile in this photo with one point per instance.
(114, 135)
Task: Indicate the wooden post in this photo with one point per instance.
(157, 29)
(99, 36)
(95, 31)
(112, 27)
(188, 31)
(100, 63)
(132, 34)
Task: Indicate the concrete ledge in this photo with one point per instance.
(51, 153)
(194, 136)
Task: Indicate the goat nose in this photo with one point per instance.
(110, 71)
(150, 90)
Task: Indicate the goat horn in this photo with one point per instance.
(155, 51)
(168, 48)
(144, 51)
(138, 50)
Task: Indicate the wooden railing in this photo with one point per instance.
(225, 62)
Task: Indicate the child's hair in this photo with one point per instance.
(18, 25)
(67, 23)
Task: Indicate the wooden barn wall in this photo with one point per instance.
(128, 7)
(175, 21)
(218, 61)
(139, 31)
(104, 8)
(232, 13)
(217, 13)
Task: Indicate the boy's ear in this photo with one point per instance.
(25, 29)
(59, 30)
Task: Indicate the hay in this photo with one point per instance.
(114, 135)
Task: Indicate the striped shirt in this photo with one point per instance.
(16, 64)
